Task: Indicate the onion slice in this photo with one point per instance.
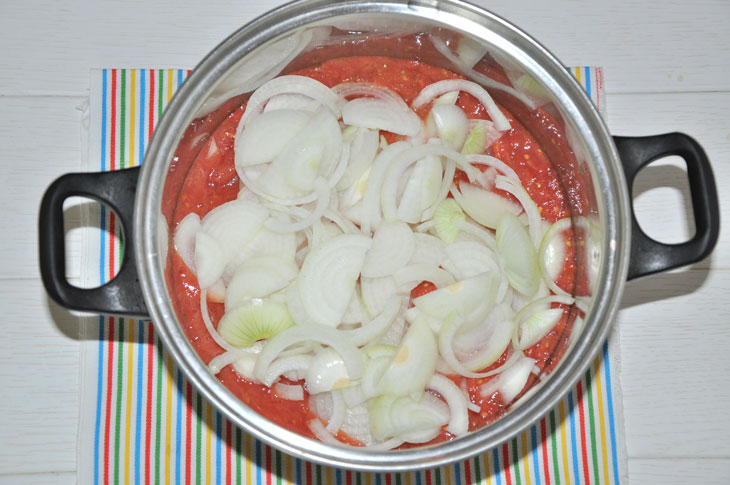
(438, 88)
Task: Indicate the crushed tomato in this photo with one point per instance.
(204, 176)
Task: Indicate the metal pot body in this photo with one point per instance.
(306, 33)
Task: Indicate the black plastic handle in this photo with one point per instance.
(123, 294)
(647, 255)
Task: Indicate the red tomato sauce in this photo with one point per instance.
(203, 176)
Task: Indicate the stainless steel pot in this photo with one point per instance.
(307, 32)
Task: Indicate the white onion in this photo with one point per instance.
(377, 292)
(301, 333)
(393, 246)
(410, 276)
(511, 381)
(363, 150)
(462, 297)
(459, 413)
(520, 258)
(209, 260)
(287, 85)
(413, 363)
(448, 122)
(318, 429)
(471, 259)
(533, 213)
(328, 275)
(466, 68)
(428, 250)
(371, 197)
(483, 206)
(371, 330)
(288, 391)
(259, 277)
(267, 135)
(184, 239)
(421, 190)
(496, 163)
(438, 88)
(323, 200)
(283, 365)
(379, 114)
(326, 372)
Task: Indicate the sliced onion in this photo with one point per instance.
(379, 114)
(326, 372)
(471, 259)
(478, 232)
(209, 260)
(491, 351)
(354, 313)
(290, 392)
(510, 382)
(245, 324)
(520, 258)
(438, 88)
(357, 422)
(328, 275)
(421, 190)
(209, 324)
(483, 206)
(462, 297)
(337, 419)
(267, 135)
(449, 123)
(428, 250)
(323, 200)
(496, 163)
(321, 433)
(259, 277)
(350, 354)
(466, 68)
(482, 134)
(283, 365)
(445, 219)
(533, 213)
(184, 239)
(413, 274)
(404, 418)
(459, 413)
(370, 331)
(413, 363)
(393, 246)
(287, 85)
(233, 224)
(248, 356)
(371, 197)
(551, 254)
(363, 150)
(377, 292)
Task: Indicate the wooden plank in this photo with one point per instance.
(32, 163)
(679, 471)
(674, 338)
(68, 478)
(39, 376)
(645, 47)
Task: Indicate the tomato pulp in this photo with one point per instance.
(203, 177)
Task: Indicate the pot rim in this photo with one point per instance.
(613, 206)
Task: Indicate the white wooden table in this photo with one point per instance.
(667, 68)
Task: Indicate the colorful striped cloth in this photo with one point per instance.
(142, 421)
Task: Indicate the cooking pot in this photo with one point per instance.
(305, 33)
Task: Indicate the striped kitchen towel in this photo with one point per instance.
(142, 421)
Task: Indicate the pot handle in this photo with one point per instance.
(123, 294)
(647, 255)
